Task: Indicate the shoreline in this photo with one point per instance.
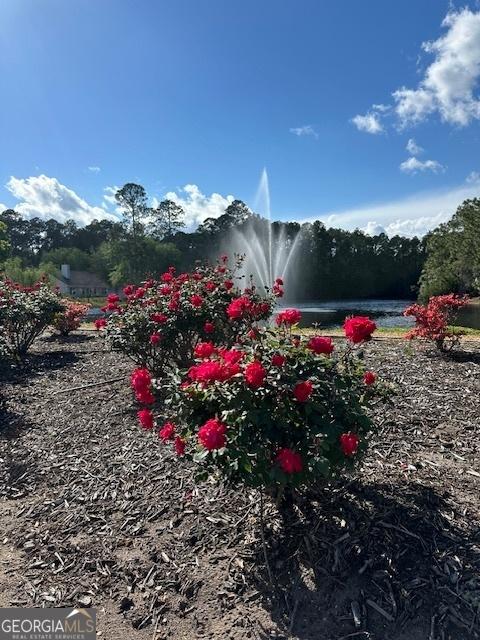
(397, 333)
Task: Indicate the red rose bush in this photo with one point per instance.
(170, 321)
(71, 317)
(274, 411)
(25, 313)
(433, 320)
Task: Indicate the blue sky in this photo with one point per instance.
(206, 93)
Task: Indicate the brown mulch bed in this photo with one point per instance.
(96, 513)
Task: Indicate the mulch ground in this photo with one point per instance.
(96, 513)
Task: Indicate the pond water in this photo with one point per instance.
(332, 313)
(386, 313)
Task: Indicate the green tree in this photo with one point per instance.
(77, 259)
(168, 218)
(16, 270)
(4, 243)
(131, 262)
(453, 254)
(132, 199)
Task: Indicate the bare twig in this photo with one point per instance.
(86, 386)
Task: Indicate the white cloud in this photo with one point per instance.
(370, 123)
(45, 197)
(447, 86)
(381, 108)
(413, 148)
(198, 206)
(449, 82)
(94, 169)
(414, 215)
(473, 177)
(109, 194)
(306, 130)
(374, 229)
(414, 165)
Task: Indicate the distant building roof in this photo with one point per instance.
(83, 279)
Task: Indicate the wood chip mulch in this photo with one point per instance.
(95, 512)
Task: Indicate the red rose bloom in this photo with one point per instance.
(359, 328)
(155, 338)
(112, 298)
(128, 290)
(167, 277)
(349, 443)
(145, 417)
(231, 356)
(255, 374)
(288, 317)
(212, 371)
(139, 293)
(290, 461)
(173, 305)
(165, 290)
(212, 434)
(141, 382)
(238, 308)
(100, 323)
(369, 378)
(228, 284)
(320, 345)
(279, 281)
(303, 390)
(278, 360)
(196, 300)
(167, 431)
(277, 291)
(204, 349)
(179, 446)
(140, 379)
(160, 318)
(210, 286)
(209, 327)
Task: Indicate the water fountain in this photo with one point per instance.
(269, 251)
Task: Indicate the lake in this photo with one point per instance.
(386, 313)
(332, 313)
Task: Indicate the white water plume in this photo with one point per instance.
(269, 250)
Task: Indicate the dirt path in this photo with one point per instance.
(96, 513)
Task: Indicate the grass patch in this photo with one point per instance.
(95, 301)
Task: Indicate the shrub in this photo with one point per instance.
(25, 312)
(161, 322)
(71, 318)
(433, 319)
(278, 411)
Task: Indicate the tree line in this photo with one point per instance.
(453, 254)
(333, 263)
